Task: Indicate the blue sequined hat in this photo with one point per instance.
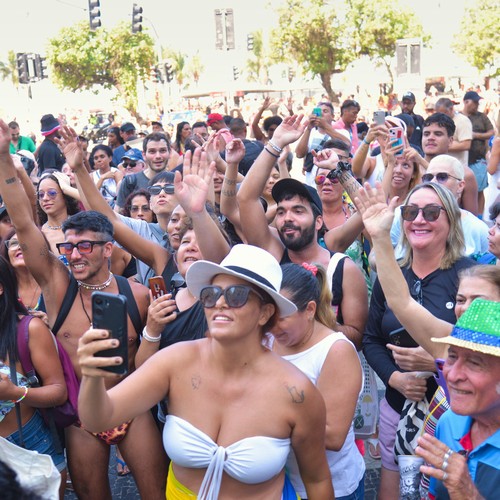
(478, 329)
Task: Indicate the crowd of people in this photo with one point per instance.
(243, 376)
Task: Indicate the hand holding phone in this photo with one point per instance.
(396, 140)
(379, 117)
(157, 286)
(109, 312)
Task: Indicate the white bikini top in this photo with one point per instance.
(251, 460)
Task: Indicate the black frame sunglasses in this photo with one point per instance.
(83, 247)
(430, 212)
(235, 296)
(166, 188)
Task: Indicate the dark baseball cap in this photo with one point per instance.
(294, 187)
(472, 96)
(410, 96)
(127, 127)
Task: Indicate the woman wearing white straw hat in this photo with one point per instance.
(464, 457)
(235, 408)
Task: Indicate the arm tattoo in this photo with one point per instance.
(195, 381)
(10, 180)
(229, 182)
(297, 397)
(228, 192)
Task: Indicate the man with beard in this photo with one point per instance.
(87, 246)
(295, 237)
(156, 152)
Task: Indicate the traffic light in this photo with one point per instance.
(22, 67)
(169, 72)
(94, 14)
(158, 75)
(40, 67)
(250, 41)
(136, 18)
(291, 73)
(236, 72)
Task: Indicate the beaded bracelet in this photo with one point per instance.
(149, 338)
(271, 153)
(276, 148)
(366, 142)
(23, 396)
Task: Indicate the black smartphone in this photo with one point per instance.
(401, 338)
(109, 312)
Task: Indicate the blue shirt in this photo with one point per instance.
(483, 461)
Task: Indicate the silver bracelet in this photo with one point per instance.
(276, 148)
(149, 338)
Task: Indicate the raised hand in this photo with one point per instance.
(266, 103)
(290, 129)
(4, 138)
(377, 215)
(326, 158)
(211, 147)
(71, 147)
(192, 188)
(235, 151)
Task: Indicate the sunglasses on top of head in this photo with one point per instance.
(430, 212)
(331, 176)
(441, 177)
(235, 295)
(166, 188)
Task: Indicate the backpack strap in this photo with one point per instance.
(132, 309)
(67, 302)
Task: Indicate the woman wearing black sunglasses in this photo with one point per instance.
(433, 245)
(235, 408)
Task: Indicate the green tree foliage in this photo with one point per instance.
(195, 68)
(9, 69)
(479, 37)
(312, 34)
(81, 59)
(377, 25)
(258, 63)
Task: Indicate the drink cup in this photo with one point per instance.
(410, 475)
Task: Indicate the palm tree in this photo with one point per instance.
(195, 68)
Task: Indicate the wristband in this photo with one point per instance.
(366, 142)
(276, 148)
(148, 337)
(271, 153)
(23, 396)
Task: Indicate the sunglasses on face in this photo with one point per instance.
(235, 295)
(321, 178)
(166, 188)
(51, 193)
(429, 212)
(135, 208)
(83, 247)
(441, 177)
(129, 164)
(11, 243)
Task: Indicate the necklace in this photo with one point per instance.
(53, 228)
(100, 286)
(83, 306)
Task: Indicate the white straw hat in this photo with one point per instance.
(252, 264)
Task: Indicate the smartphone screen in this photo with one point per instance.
(318, 112)
(109, 312)
(157, 286)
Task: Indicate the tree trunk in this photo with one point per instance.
(326, 81)
(387, 65)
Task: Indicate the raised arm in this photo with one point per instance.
(377, 217)
(253, 217)
(257, 132)
(28, 186)
(191, 191)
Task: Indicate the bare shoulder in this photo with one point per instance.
(141, 294)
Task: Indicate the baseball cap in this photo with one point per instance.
(295, 187)
(472, 96)
(409, 95)
(127, 127)
(214, 117)
(133, 154)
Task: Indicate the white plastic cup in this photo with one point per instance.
(410, 475)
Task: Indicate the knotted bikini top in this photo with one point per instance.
(251, 460)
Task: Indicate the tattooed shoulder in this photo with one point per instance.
(297, 395)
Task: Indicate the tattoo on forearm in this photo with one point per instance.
(297, 397)
(195, 381)
(229, 182)
(10, 180)
(228, 192)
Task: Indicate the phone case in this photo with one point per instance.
(157, 286)
(402, 338)
(397, 133)
(109, 312)
(379, 117)
(318, 112)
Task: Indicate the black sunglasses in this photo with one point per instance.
(166, 188)
(83, 247)
(416, 291)
(441, 177)
(430, 212)
(234, 295)
(129, 164)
